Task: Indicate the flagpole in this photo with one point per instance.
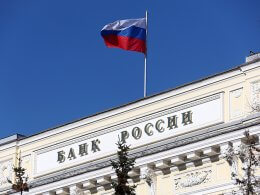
(145, 56)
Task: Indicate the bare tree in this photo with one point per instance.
(254, 103)
(248, 153)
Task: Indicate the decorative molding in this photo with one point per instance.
(236, 93)
(230, 155)
(193, 179)
(149, 150)
(76, 191)
(5, 172)
(212, 189)
(255, 95)
(235, 107)
(149, 176)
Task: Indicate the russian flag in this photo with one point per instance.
(126, 34)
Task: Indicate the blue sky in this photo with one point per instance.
(55, 67)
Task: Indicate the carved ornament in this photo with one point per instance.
(193, 179)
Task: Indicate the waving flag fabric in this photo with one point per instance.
(126, 34)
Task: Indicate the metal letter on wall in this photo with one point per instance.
(138, 132)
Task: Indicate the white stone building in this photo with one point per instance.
(178, 137)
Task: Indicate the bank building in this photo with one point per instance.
(179, 138)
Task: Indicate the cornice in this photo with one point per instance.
(183, 140)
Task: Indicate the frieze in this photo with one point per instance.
(193, 179)
(149, 131)
(165, 145)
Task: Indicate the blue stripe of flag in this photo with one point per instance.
(133, 32)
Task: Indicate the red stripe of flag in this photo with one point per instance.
(126, 43)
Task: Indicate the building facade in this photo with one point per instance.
(179, 139)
